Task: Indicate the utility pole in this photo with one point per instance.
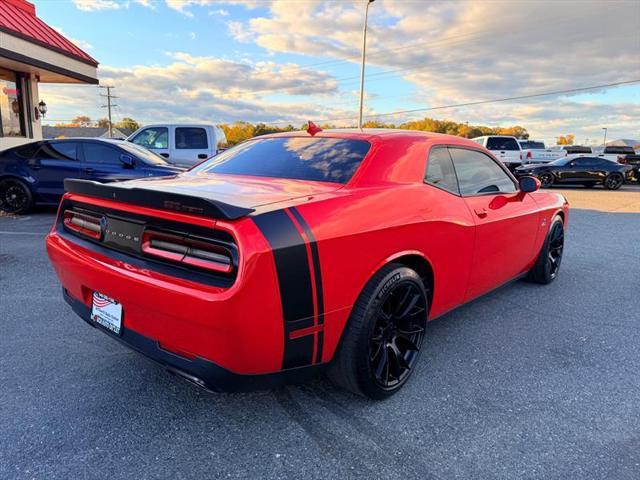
(109, 106)
(604, 143)
(364, 49)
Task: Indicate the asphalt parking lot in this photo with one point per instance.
(527, 382)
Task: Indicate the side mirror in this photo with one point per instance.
(127, 161)
(529, 184)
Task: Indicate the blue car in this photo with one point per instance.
(34, 173)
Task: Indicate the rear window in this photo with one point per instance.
(189, 138)
(502, 143)
(577, 149)
(302, 158)
(532, 145)
(619, 150)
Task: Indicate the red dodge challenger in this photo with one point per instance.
(294, 253)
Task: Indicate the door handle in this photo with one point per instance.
(88, 170)
(165, 155)
(202, 156)
(481, 212)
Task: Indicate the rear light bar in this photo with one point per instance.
(188, 251)
(83, 223)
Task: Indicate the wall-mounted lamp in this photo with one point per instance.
(41, 110)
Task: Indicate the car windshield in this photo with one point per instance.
(143, 154)
(300, 158)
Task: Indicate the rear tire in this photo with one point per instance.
(547, 265)
(613, 181)
(15, 196)
(381, 342)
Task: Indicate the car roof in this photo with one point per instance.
(112, 141)
(367, 134)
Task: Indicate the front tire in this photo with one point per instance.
(546, 180)
(381, 342)
(613, 181)
(547, 265)
(15, 196)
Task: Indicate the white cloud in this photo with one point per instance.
(200, 88)
(93, 5)
(192, 35)
(220, 12)
(183, 6)
(239, 32)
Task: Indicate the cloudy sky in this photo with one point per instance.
(291, 60)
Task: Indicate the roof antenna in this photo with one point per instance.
(312, 128)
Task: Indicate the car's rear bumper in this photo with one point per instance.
(199, 371)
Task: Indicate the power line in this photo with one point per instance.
(479, 102)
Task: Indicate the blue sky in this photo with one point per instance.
(289, 60)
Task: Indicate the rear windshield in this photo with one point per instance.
(301, 158)
(577, 149)
(531, 144)
(618, 150)
(502, 143)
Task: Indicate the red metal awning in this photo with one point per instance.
(18, 17)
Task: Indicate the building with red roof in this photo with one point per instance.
(32, 52)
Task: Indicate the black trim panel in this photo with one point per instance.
(294, 281)
(317, 274)
(164, 200)
(203, 373)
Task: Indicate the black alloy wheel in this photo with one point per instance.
(613, 181)
(381, 342)
(548, 263)
(397, 335)
(546, 180)
(556, 246)
(15, 196)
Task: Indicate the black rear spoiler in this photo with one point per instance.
(164, 200)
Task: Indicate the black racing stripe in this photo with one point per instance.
(315, 256)
(294, 280)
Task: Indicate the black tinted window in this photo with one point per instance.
(303, 158)
(153, 137)
(532, 144)
(618, 150)
(59, 151)
(191, 137)
(502, 143)
(477, 173)
(440, 172)
(27, 151)
(586, 162)
(577, 149)
(97, 153)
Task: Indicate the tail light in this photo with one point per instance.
(83, 223)
(529, 155)
(188, 251)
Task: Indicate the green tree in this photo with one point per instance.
(127, 124)
(103, 123)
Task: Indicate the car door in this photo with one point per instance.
(506, 220)
(155, 139)
(104, 163)
(449, 230)
(55, 161)
(191, 145)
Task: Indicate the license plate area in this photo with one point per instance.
(106, 313)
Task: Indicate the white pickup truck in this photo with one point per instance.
(184, 144)
(505, 148)
(536, 152)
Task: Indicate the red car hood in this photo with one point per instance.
(242, 191)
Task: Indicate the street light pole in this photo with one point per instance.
(604, 143)
(364, 49)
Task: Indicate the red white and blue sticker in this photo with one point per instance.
(107, 313)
